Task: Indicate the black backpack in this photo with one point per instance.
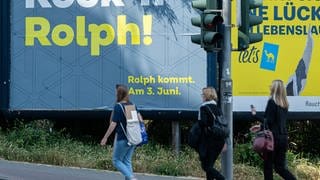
(219, 128)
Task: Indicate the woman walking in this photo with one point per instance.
(209, 147)
(276, 119)
(122, 151)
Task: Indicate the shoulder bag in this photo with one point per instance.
(263, 140)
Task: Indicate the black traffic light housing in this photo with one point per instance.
(210, 22)
(245, 37)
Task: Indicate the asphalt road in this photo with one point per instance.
(10, 170)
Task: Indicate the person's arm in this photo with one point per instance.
(111, 128)
(112, 125)
(257, 125)
(110, 120)
(254, 114)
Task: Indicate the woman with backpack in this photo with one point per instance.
(209, 147)
(276, 119)
(122, 150)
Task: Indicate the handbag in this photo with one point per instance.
(263, 141)
(194, 136)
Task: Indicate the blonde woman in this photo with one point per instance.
(209, 147)
(276, 119)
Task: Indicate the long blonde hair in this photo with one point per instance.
(279, 94)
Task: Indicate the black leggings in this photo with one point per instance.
(208, 159)
(278, 159)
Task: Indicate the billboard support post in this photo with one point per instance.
(176, 136)
(226, 91)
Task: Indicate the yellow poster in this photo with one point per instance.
(289, 51)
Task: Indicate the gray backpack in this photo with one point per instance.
(132, 131)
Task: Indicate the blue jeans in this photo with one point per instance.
(122, 155)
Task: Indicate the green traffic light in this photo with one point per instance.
(255, 3)
(209, 21)
(255, 20)
(196, 21)
(212, 37)
(243, 41)
(196, 39)
(245, 37)
(199, 4)
(255, 37)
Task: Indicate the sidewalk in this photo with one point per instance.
(12, 170)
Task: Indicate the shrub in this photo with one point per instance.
(302, 136)
(35, 133)
(35, 142)
(243, 154)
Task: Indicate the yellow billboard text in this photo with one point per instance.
(93, 35)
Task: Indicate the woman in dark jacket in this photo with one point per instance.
(210, 147)
(276, 117)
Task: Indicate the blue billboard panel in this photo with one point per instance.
(71, 54)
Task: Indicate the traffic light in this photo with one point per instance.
(245, 37)
(210, 22)
(197, 21)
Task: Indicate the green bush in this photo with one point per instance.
(243, 154)
(35, 133)
(302, 137)
(37, 142)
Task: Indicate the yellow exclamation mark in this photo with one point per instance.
(147, 29)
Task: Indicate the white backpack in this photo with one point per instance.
(133, 131)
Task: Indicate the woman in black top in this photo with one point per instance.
(276, 117)
(209, 147)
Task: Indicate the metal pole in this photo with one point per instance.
(5, 52)
(176, 136)
(226, 91)
(212, 70)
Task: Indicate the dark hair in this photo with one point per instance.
(122, 93)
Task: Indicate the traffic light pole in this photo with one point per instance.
(212, 70)
(226, 91)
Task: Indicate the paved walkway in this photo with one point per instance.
(11, 170)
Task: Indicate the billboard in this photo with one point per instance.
(289, 51)
(70, 54)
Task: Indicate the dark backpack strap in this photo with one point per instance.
(212, 115)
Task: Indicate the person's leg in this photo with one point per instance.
(213, 173)
(120, 149)
(267, 166)
(127, 160)
(213, 153)
(203, 156)
(204, 164)
(280, 161)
